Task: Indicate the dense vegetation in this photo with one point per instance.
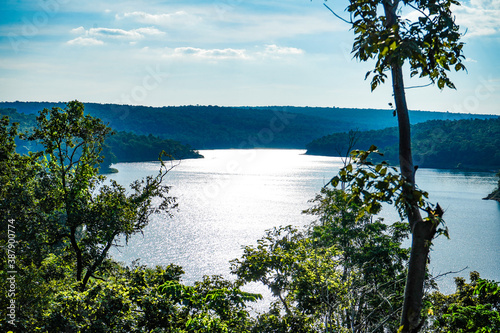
(130, 147)
(343, 273)
(461, 144)
(213, 127)
(372, 119)
(119, 147)
(59, 221)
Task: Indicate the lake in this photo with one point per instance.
(228, 199)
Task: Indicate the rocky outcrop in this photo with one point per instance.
(495, 195)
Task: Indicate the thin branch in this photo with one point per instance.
(387, 318)
(418, 9)
(450, 272)
(423, 86)
(339, 17)
(97, 277)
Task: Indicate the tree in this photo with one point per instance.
(343, 273)
(430, 46)
(474, 307)
(66, 219)
(16, 200)
(213, 305)
(86, 217)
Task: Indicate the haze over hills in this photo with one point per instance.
(211, 127)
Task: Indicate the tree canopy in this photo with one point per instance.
(344, 272)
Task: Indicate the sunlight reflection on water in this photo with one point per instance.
(228, 199)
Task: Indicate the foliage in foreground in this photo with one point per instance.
(474, 307)
(63, 219)
(343, 273)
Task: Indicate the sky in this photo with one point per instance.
(221, 52)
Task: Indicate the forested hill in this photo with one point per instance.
(211, 127)
(124, 146)
(372, 119)
(446, 144)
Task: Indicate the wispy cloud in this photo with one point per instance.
(260, 53)
(202, 24)
(96, 36)
(281, 50)
(470, 60)
(78, 31)
(127, 34)
(209, 53)
(85, 41)
(479, 17)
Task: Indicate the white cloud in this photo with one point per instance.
(209, 53)
(85, 41)
(95, 36)
(149, 31)
(477, 17)
(280, 50)
(78, 31)
(492, 4)
(205, 23)
(269, 51)
(114, 33)
(480, 17)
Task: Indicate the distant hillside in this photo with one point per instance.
(372, 119)
(121, 147)
(459, 144)
(208, 127)
(211, 127)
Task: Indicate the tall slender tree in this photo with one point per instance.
(430, 45)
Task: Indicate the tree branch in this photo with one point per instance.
(419, 10)
(339, 17)
(450, 272)
(422, 86)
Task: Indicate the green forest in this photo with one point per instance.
(442, 144)
(118, 147)
(214, 127)
(342, 273)
(440, 140)
(346, 270)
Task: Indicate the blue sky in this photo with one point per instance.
(220, 52)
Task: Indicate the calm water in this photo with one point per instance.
(229, 198)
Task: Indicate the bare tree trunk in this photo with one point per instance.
(422, 232)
